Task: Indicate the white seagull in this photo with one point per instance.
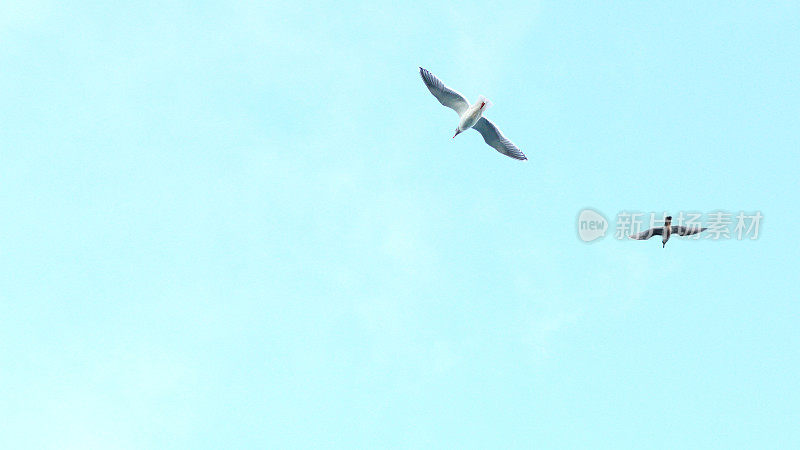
(666, 231)
(471, 115)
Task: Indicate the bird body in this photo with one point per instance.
(470, 116)
(667, 231)
(473, 114)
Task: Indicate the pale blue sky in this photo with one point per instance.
(245, 225)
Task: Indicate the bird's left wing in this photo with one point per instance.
(444, 94)
(493, 137)
(647, 234)
(681, 230)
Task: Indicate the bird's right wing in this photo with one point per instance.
(444, 94)
(493, 137)
(681, 230)
(647, 234)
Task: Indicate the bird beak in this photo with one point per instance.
(457, 131)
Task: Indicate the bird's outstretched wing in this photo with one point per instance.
(647, 234)
(493, 137)
(681, 230)
(444, 94)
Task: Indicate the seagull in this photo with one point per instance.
(666, 231)
(471, 115)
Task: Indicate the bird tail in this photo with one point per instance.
(486, 102)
